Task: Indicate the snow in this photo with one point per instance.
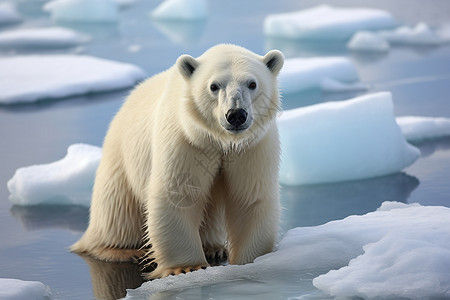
(407, 256)
(397, 251)
(183, 10)
(8, 13)
(328, 73)
(15, 289)
(368, 41)
(340, 141)
(67, 181)
(91, 11)
(42, 37)
(423, 128)
(327, 22)
(36, 77)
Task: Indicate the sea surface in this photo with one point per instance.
(34, 241)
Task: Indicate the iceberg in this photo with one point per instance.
(326, 22)
(328, 73)
(397, 251)
(67, 181)
(423, 128)
(9, 14)
(59, 76)
(341, 141)
(15, 289)
(182, 10)
(42, 37)
(91, 11)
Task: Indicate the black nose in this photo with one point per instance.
(236, 117)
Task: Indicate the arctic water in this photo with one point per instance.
(35, 240)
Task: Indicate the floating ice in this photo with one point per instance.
(368, 41)
(421, 34)
(407, 256)
(37, 77)
(8, 13)
(423, 128)
(405, 253)
(67, 181)
(340, 141)
(329, 73)
(42, 37)
(91, 11)
(184, 10)
(15, 289)
(326, 22)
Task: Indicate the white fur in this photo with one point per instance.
(175, 182)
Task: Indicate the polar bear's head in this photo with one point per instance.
(231, 92)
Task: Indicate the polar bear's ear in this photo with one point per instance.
(186, 65)
(274, 61)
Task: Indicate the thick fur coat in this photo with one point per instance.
(189, 173)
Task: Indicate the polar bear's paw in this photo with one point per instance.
(216, 255)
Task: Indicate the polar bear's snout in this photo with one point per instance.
(236, 117)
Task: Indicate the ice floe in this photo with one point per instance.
(423, 128)
(406, 254)
(328, 73)
(183, 10)
(368, 41)
(91, 11)
(327, 22)
(397, 251)
(35, 77)
(67, 181)
(42, 37)
(340, 141)
(421, 34)
(9, 13)
(15, 289)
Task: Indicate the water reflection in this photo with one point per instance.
(111, 280)
(317, 204)
(70, 217)
(185, 33)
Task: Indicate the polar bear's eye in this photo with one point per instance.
(214, 87)
(252, 85)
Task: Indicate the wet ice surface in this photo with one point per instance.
(35, 239)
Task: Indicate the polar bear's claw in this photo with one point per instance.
(216, 256)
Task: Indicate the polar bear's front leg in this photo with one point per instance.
(177, 196)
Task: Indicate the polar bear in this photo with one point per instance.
(189, 172)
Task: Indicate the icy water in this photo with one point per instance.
(34, 240)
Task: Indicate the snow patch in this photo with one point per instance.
(423, 128)
(67, 181)
(183, 10)
(15, 289)
(9, 14)
(328, 73)
(91, 11)
(340, 141)
(327, 22)
(58, 76)
(42, 37)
